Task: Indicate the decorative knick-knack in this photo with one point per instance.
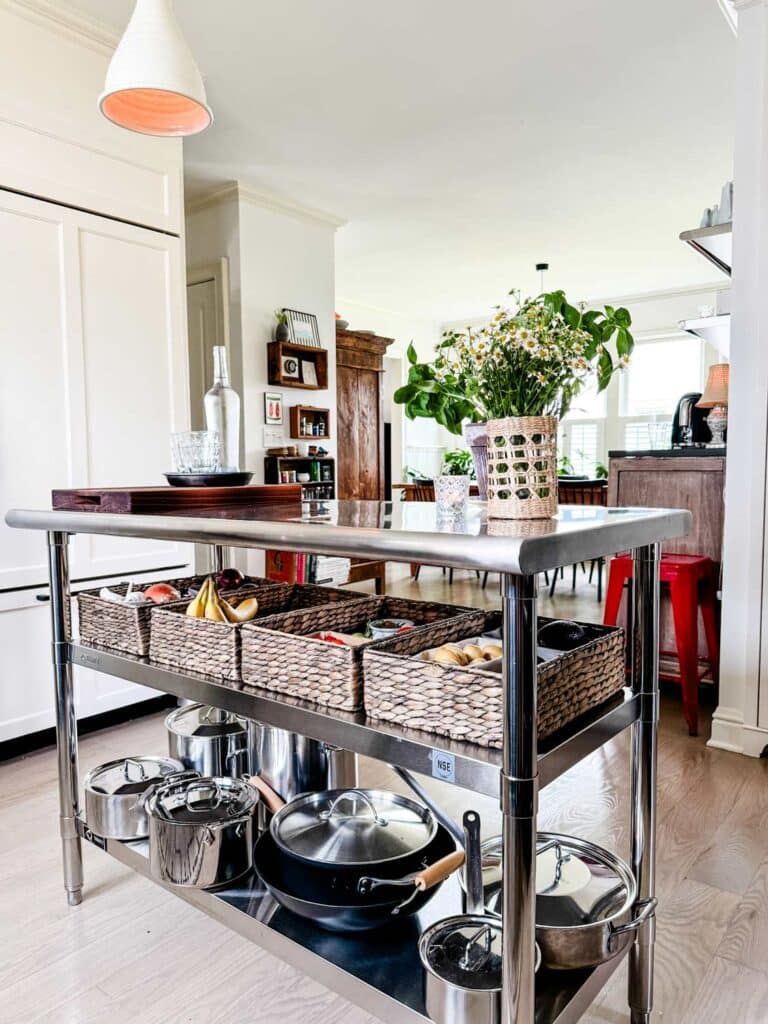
(222, 411)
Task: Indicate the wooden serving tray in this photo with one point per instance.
(148, 500)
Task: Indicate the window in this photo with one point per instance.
(660, 372)
(581, 443)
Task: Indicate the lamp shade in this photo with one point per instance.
(153, 85)
(716, 389)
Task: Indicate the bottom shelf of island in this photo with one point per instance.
(378, 971)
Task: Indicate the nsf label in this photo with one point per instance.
(443, 766)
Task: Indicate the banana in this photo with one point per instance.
(245, 611)
(229, 611)
(213, 610)
(196, 607)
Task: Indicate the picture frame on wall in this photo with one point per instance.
(308, 372)
(290, 367)
(302, 328)
(273, 408)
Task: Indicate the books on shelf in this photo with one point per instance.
(289, 567)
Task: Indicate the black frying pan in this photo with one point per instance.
(352, 906)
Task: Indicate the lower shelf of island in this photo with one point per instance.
(378, 971)
(466, 765)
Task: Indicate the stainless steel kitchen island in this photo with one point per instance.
(408, 532)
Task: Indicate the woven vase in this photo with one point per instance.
(522, 467)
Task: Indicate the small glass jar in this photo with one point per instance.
(451, 495)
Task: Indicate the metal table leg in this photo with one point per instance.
(66, 721)
(519, 799)
(645, 680)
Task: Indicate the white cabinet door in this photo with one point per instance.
(134, 374)
(94, 373)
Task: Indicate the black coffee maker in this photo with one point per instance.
(689, 426)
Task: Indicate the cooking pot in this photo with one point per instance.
(208, 740)
(587, 907)
(463, 969)
(200, 830)
(113, 794)
(214, 742)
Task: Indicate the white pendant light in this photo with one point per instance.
(153, 85)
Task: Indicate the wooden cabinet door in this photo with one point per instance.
(360, 471)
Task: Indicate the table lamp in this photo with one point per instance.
(715, 397)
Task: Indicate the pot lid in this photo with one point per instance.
(130, 775)
(577, 882)
(200, 800)
(204, 720)
(464, 951)
(353, 827)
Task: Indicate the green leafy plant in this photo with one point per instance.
(601, 471)
(565, 466)
(531, 360)
(282, 317)
(458, 462)
(416, 475)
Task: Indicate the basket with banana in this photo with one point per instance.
(209, 604)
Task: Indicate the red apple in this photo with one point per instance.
(161, 593)
(229, 579)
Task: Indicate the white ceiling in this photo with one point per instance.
(463, 142)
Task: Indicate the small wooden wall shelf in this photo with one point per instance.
(312, 416)
(278, 351)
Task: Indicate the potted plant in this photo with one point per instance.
(281, 329)
(458, 462)
(512, 380)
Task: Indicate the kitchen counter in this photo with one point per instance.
(394, 531)
(670, 453)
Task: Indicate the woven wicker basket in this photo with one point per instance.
(522, 467)
(277, 656)
(466, 704)
(213, 648)
(118, 626)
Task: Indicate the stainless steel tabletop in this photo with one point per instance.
(393, 531)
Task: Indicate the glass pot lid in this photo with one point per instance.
(577, 882)
(200, 800)
(128, 775)
(464, 951)
(204, 720)
(353, 827)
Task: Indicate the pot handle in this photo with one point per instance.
(439, 871)
(646, 909)
(131, 762)
(349, 794)
(268, 795)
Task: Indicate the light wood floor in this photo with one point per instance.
(133, 954)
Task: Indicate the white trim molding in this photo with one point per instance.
(729, 732)
(237, 191)
(60, 18)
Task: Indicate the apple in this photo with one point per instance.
(229, 579)
(161, 593)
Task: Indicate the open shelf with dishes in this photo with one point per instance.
(290, 365)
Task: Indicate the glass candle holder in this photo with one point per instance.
(196, 451)
(451, 494)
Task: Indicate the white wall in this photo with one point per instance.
(278, 257)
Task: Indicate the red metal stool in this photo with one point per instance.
(691, 587)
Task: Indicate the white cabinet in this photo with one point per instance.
(54, 142)
(94, 379)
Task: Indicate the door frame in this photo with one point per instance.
(218, 272)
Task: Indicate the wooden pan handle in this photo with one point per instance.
(268, 795)
(439, 871)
